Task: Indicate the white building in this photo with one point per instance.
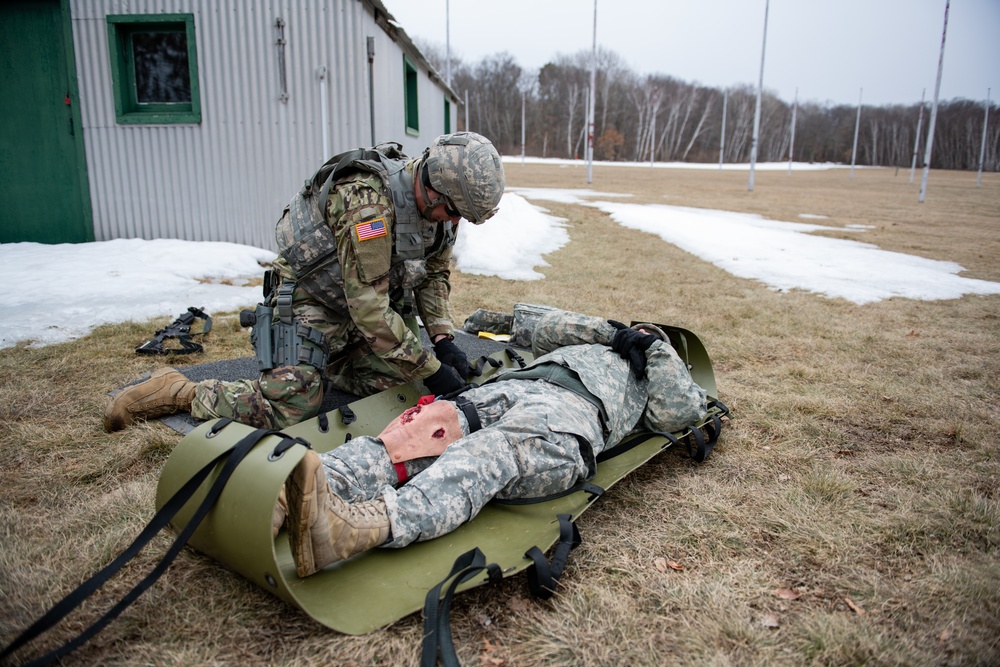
(195, 119)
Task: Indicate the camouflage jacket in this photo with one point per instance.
(665, 400)
(364, 280)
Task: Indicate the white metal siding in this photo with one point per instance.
(227, 178)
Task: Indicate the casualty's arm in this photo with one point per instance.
(560, 328)
(365, 253)
(675, 401)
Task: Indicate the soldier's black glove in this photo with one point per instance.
(450, 354)
(445, 380)
(632, 345)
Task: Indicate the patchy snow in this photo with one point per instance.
(57, 293)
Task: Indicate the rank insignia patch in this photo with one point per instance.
(372, 229)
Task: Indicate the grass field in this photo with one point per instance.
(850, 515)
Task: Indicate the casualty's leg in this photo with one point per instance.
(520, 453)
(530, 446)
(333, 510)
(453, 490)
(165, 392)
(359, 469)
(324, 528)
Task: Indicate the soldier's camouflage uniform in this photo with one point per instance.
(356, 303)
(537, 437)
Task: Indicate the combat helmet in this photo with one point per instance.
(466, 168)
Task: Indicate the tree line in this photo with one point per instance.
(661, 118)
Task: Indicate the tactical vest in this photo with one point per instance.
(307, 242)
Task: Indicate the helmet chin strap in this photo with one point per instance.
(424, 181)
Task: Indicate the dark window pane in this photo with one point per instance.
(161, 68)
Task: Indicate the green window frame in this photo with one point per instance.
(411, 107)
(447, 116)
(148, 88)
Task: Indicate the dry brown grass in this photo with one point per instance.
(860, 470)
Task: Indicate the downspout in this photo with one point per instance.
(371, 84)
(321, 72)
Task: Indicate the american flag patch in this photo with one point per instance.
(372, 229)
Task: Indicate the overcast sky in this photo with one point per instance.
(828, 49)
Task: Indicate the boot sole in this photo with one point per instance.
(300, 494)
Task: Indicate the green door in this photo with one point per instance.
(43, 186)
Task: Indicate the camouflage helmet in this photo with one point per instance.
(466, 168)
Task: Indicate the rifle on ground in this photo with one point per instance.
(181, 330)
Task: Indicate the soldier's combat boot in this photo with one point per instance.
(164, 393)
(322, 527)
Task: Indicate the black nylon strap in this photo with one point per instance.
(234, 456)
(594, 490)
(626, 445)
(543, 575)
(703, 447)
(478, 367)
(347, 416)
(469, 410)
(437, 609)
(514, 356)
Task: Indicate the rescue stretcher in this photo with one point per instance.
(380, 586)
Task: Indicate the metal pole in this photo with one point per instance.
(916, 141)
(467, 110)
(857, 127)
(756, 115)
(522, 128)
(593, 90)
(722, 142)
(982, 148)
(791, 146)
(933, 121)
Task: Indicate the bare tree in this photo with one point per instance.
(658, 115)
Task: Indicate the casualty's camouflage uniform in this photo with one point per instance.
(537, 438)
(356, 304)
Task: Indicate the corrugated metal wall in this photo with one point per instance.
(227, 178)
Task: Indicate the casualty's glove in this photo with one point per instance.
(445, 380)
(632, 345)
(450, 354)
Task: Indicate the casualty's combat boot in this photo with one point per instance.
(324, 528)
(164, 393)
(279, 514)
